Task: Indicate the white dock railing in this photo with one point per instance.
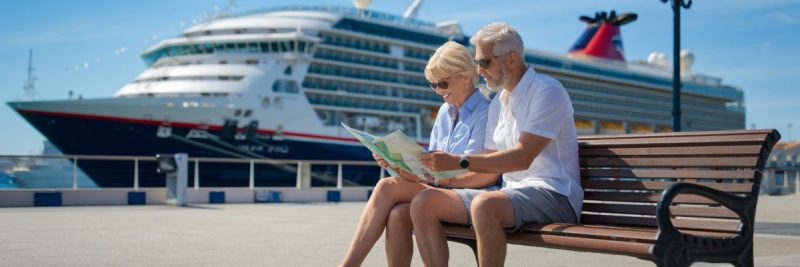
(61, 175)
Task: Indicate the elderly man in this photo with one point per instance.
(531, 139)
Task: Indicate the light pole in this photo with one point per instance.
(676, 61)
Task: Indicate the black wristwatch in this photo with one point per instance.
(464, 163)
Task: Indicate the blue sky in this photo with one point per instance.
(92, 47)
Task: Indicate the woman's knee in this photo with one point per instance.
(400, 217)
(421, 207)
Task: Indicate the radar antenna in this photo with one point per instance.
(413, 9)
(30, 89)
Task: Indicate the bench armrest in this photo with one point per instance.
(742, 206)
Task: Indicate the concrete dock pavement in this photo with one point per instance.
(282, 235)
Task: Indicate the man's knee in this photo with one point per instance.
(487, 207)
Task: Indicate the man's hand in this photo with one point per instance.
(440, 161)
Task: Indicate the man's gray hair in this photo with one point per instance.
(504, 38)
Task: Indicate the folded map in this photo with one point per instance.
(401, 151)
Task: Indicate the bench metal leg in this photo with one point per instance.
(469, 242)
(746, 259)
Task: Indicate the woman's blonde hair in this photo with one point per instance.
(449, 60)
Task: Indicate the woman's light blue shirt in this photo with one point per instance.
(467, 135)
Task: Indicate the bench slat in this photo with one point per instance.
(594, 231)
(700, 212)
(636, 249)
(643, 197)
(760, 132)
(650, 185)
(727, 226)
(651, 173)
(733, 140)
(732, 162)
(753, 150)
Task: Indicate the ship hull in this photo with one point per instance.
(80, 134)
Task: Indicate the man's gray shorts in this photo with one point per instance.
(531, 205)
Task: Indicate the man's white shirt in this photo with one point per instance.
(539, 105)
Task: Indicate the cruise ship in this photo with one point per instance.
(276, 83)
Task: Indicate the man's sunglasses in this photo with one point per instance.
(440, 84)
(484, 62)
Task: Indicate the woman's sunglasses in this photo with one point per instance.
(440, 84)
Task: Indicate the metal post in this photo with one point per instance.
(383, 173)
(196, 174)
(339, 177)
(75, 173)
(136, 174)
(676, 67)
(797, 182)
(299, 176)
(252, 174)
(676, 60)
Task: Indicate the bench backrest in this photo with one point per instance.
(623, 175)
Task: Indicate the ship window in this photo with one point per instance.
(265, 102)
(288, 70)
(274, 47)
(230, 47)
(278, 103)
(251, 62)
(291, 46)
(253, 47)
(241, 46)
(285, 86)
(237, 113)
(248, 112)
(265, 47)
(301, 47)
(284, 47)
(223, 62)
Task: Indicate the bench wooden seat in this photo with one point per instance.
(671, 198)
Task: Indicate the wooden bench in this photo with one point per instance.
(670, 198)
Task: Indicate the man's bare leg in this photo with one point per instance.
(428, 209)
(491, 211)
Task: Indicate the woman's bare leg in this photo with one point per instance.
(388, 192)
(399, 244)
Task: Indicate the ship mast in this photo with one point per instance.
(30, 90)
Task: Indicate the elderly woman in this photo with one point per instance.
(459, 129)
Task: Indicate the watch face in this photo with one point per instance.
(464, 163)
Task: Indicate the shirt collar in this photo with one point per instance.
(468, 106)
(524, 83)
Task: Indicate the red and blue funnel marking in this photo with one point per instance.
(602, 37)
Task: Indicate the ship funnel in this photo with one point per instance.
(602, 37)
(687, 60)
(362, 4)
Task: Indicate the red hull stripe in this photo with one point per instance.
(176, 124)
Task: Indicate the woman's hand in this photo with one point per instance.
(440, 161)
(403, 174)
(381, 161)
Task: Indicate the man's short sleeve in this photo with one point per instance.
(548, 110)
(491, 123)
